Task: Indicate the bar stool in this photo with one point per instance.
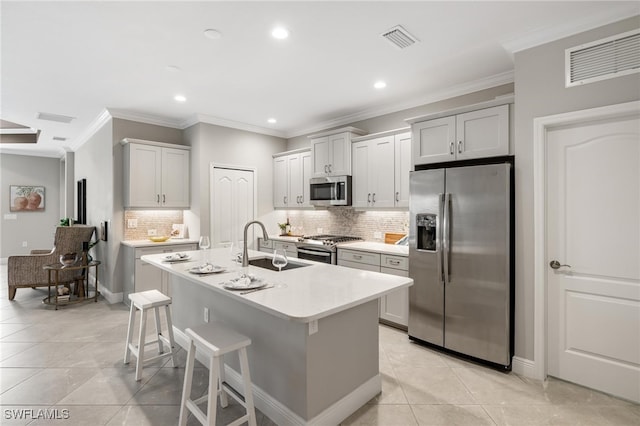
(143, 301)
(215, 340)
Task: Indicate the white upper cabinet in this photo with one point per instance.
(291, 174)
(474, 134)
(381, 168)
(331, 152)
(156, 174)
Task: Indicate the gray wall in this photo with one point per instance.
(223, 145)
(36, 228)
(540, 91)
(396, 120)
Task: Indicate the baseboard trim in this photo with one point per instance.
(523, 367)
(280, 414)
(110, 297)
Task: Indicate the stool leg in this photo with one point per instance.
(248, 389)
(174, 361)
(223, 394)
(188, 379)
(156, 312)
(141, 339)
(132, 318)
(212, 401)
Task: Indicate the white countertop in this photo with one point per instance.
(383, 248)
(302, 294)
(149, 243)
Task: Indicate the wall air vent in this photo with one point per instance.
(399, 37)
(59, 139)
(603, 59)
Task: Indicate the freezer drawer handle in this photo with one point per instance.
(556, 265)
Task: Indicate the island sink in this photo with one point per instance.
(265, 262)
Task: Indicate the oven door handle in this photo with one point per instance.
(315, 253)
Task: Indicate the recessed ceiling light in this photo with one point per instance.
(380, 84)
(212, 34)
(272, 121)
(280, 33)
(180, 98)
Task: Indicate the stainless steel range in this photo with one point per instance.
(321, 248)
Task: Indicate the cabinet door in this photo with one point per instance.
(320, 156)
(147, 277)
(381, 172)
(483, 133)
(280, 181)
(402, 169)
(306, 175)
(361, 196)
(144, 176)
(394, 307)
(175, 178)
(295, 180)
(434, 140)
(340, 154)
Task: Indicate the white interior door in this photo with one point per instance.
(593, 225)
(232, 205)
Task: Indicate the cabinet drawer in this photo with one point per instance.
(359, 256)
(395, 262)
(392, 271)
(358, 265)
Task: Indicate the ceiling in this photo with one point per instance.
(90, 60)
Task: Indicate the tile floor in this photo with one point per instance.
(70, 360)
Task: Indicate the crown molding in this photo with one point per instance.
(93, 128)
(451, 92)
(145, 118)
(575, 26)
(208, 119)
(55, 153)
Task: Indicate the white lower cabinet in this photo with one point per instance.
(142, 276)
(394, 307)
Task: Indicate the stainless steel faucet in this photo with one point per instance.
(245, 255)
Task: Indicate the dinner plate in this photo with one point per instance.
(198, 270)
(176, 257)
(240, 284)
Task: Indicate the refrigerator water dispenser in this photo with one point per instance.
(426, 231)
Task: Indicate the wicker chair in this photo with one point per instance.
(26, 270)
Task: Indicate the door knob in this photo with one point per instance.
(556, 265)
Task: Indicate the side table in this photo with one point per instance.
(80, 277)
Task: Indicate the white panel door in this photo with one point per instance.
(232, 201)
(280, 181)
(434, 140)
(593, 225)
(402, 169)
(305, 160)
(175, 177)
(361, 192)
(381, 172)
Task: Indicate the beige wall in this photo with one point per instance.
(540, 91)
(36, 228)
(223, 145)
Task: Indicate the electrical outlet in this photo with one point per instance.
(313, 327)
(377, 235)
(24, 244)
(152, 233)
(132, 223)
(319, 230)
(206, 314)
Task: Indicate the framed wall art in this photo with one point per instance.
(26, 198)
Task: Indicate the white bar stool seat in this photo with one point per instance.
(215, 340)
(144, 301)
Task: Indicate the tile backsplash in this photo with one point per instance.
(346, 221)
(160, 220)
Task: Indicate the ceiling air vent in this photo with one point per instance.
(399, 37)
(55, 117)
(603, 59)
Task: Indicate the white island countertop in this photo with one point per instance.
(302, 294)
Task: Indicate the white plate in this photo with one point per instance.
(175, 258)
(216, 269)
(236, 284)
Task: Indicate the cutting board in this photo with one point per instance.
(391, 237)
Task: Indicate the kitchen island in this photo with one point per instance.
(314, 350)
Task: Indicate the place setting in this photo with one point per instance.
(176, 257)
(206, 269)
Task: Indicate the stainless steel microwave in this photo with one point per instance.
(330, 191)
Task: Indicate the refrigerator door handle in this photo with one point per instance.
(439, 238)
(446, 238)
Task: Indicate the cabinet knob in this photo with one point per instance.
(397, 196)
(374, 197)
(158, 198)
(284, 199)
(326, 168)
(164, 198)
(368, 197)
(459, 147)
(451, 148)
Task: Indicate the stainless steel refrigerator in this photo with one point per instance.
(461, 260)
